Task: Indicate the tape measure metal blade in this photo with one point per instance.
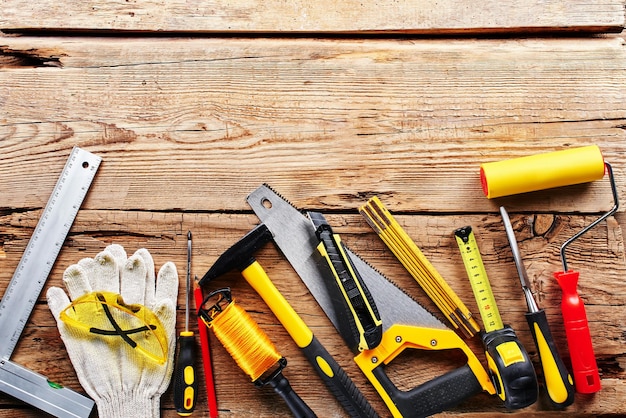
(44, 246)
(478, 279)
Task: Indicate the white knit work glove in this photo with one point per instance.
(122, 382)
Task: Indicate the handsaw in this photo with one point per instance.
(406, 324)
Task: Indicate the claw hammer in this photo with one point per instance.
(241, 257)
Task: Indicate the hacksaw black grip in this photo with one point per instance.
(434, 396)
(339, 383)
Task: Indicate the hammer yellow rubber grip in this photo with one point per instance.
(542, 171)
(256, 276)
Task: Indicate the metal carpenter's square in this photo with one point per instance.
(28, 280)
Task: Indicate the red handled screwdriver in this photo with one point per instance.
(185, 382)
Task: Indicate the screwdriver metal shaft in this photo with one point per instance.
(188, 281)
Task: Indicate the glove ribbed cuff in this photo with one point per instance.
(129, 404)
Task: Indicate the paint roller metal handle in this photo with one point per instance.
(609, 170)
(585, 368)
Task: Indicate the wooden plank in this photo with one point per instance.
(599, 257)
(188, 127)
(198, 123)
(350, 16)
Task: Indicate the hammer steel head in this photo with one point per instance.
(240, 255)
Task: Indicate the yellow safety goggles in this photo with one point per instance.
(105, 314)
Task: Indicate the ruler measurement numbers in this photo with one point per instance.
(44, 247)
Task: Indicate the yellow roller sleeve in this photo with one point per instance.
(542, 171)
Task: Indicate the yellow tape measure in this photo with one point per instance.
(478, 279)
(510, 368)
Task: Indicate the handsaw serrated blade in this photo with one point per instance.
(295, 236)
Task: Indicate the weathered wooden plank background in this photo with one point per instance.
(189, 118)
(350, 16)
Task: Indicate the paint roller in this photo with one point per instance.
(546, 171)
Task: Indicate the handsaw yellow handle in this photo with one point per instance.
(435, 395)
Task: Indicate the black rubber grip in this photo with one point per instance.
(434, 396)
(298, 407)
(558, 382)
(339, 383)
(185, 376)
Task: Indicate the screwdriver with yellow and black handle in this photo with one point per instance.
(510, 367)
(559, 383)
(185, 375)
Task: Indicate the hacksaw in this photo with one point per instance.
(27, 282)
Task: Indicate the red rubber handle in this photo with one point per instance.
(585, 368)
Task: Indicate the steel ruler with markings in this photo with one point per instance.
(27, 283)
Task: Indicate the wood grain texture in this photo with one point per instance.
(198, 123)
(188, 122)
(299, 16)
(599, 257)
